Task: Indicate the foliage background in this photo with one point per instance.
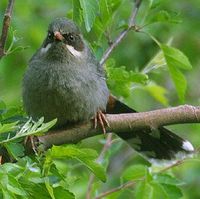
(29, 23)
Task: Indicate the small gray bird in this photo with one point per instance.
(65, 81)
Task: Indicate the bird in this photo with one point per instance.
(64, 80)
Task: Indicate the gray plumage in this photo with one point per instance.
(58, 84)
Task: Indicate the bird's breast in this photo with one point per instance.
(66, 93)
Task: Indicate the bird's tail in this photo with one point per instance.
(160, 144)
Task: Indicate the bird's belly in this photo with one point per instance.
(68, 101)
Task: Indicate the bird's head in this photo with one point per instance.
(63, 38)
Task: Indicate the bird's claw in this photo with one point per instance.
(102, 121)
(29, 140)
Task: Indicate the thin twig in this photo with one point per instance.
(172, 166)
(123, 186)
(101, 156)
(134, 13)
(106, 146)
(122, 34)
(89, 188)
(5, 27)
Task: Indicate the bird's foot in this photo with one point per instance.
(31, 142)
(101, 118)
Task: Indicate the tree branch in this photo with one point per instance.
(5, 27)
(120, 123)
(122, 34)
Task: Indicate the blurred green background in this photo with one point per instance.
(29, 25)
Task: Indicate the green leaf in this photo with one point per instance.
(138, 77)
(163, 16)
(154, 3)
(36, 189)
(49, 188)
(14, 186)
(114, 4)
(158, 61)
(77, 12)
(85, 156)
(158, 93)
(8, 195)
(9, 183)
(167, 179)
(172, 191)
(61, 166)
(4, 128)
(154, 190)
(134, 172)
(179, 81)
(16, 150)
(60, 192)
(175, 58)
(120, 81)
(105, 11)
(143, 190)
(36, 128)
(158, 191)
(31, 128)
(90, 9)
(13, 114)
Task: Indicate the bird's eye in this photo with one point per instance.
(50, 35)
(71, 37)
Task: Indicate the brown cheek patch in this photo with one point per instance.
(78, 44)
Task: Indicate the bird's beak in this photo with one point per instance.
(58, 36)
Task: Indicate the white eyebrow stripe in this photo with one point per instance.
(73, 51)
(44, 50)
